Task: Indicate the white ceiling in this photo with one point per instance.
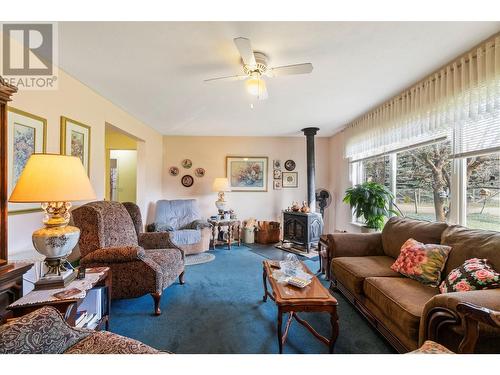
(155, 70)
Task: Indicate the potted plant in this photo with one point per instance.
(371, 201)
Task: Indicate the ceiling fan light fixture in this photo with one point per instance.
(256, 86)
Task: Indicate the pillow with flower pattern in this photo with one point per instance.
(422, 262)
(474, 274)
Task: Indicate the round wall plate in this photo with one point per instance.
(187, 180)
(174, 171)
(187, 163)
(199, 172)
(289, 165)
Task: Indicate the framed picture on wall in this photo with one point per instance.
(290, 180)
(247, 173)
(75, 140)
(27, 134)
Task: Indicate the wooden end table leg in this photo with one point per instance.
(214, 231)
(264, 279)
(280, 335)
(229, 236)
(335, 330)
(239, 235)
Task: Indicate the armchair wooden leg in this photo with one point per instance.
(181, 278)
(156, 299)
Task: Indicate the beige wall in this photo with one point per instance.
(210, 153)
(340, 216)
(75, 100)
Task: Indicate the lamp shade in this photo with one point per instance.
(221, 184)
(52, 178)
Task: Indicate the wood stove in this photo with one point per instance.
(304, 229)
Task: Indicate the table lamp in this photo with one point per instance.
(54, 181)
(221, 185)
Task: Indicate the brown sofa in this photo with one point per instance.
(403, 310)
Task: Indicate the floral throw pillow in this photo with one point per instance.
(422, 262)
(474, 274)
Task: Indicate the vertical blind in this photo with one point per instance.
(460, 101)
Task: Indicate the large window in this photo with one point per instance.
(423, 182)
(483, 191)
(377, 170)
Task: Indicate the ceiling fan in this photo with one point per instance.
(255, 67)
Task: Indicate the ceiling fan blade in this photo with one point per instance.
(291, 69)
(226, 79)
(246, 52)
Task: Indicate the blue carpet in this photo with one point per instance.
(220, 310)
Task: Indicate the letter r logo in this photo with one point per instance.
(27, 49)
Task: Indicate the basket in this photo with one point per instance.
(267, 232)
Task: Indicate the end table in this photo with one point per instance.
(233, 229)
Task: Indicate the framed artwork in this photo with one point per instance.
(247, 173)
(277, 185)
(187, 163)
(75, 140)
(290, 180)
(277, 174)
(27, 134)
(277, 164)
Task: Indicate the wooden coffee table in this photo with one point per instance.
(289, 299)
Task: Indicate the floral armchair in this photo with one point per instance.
(141, 263)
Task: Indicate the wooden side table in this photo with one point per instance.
(233, 228)
(11, 285)
(289, 299)
(68, 307)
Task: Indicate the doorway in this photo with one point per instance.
(121, 165)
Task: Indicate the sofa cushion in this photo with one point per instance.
(402, 300)
(352, 271)
(422, 262)
(471, 243)
(474, 274)
(43, 331)
(185, 236)
(398, 229)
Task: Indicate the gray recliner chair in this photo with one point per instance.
(181, 219)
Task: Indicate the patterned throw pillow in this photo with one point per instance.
(422, 262)
(474, 274)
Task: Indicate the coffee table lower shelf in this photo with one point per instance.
(288, 299)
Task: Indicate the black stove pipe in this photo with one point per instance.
(311, 185)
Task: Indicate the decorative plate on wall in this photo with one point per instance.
(187, 163)
(174, 171)
(187, 180)
(199, 172)
(289, 165)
